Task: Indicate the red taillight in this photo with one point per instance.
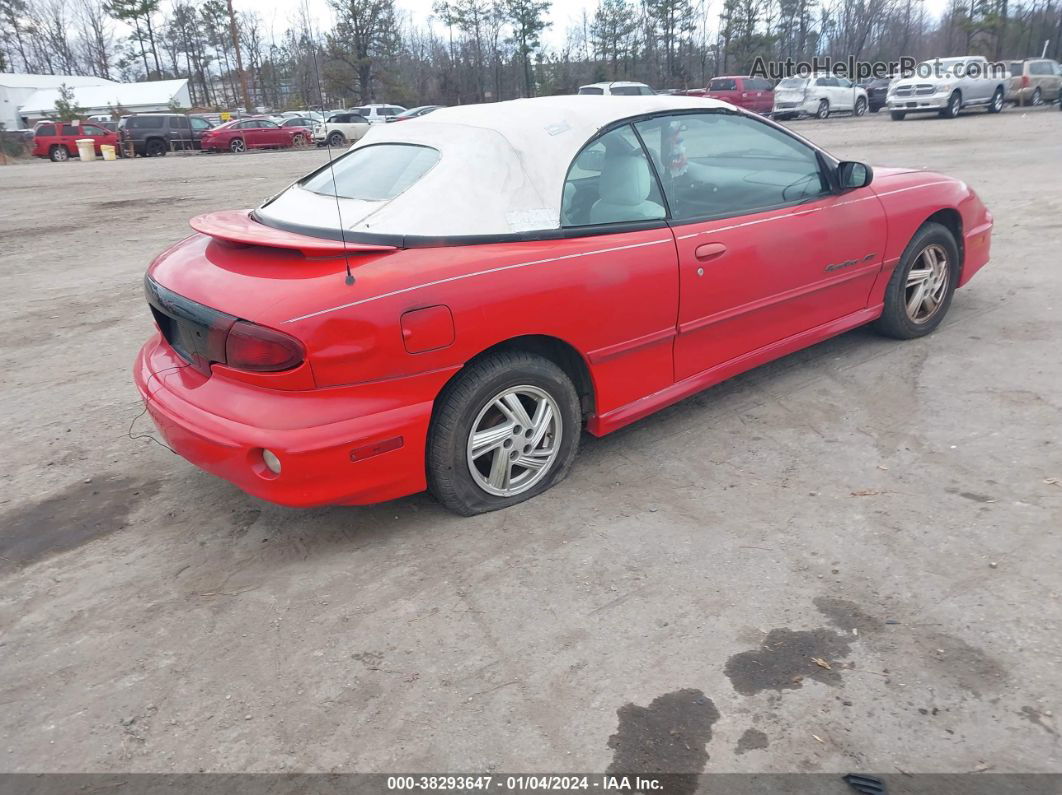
(261, 349)
(1024, 81)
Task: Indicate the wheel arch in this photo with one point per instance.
(561, 352)
(950, 219)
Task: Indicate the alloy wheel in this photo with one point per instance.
(1037, 97)
(927, 283)
(514, 440)
(237, 145)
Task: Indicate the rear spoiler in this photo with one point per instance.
(237, 226)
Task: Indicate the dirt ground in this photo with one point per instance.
(890, 508)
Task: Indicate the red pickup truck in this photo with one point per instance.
(750, 93)
(58, 140)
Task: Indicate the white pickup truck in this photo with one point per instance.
(946, 86)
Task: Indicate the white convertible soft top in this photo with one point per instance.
(501, 168)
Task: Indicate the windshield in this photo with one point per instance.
(373, 173)
(929, 68)
(793, 82)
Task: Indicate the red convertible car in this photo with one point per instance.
(451, 302)
(238, 136)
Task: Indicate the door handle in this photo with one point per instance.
(707, 251)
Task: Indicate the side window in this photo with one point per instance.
(821, 81)
(70, 129)
(199, 124)
(355, 118)
(720, 164)
(842, 82)
(45, 129)
(180, 122)
(610, 182)
(646, 91)
(92, 129)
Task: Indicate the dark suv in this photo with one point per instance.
(155, 134)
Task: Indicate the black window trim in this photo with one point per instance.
(827, 163)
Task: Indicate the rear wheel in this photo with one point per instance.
(920, 289)
(996, 105)
(1037, 97)
(58, 154)
(860, 106)
(504, 431)
(897, 115)
(823, 111)
(237, 145)
(155, 148)
(951, 110)
(336, 139)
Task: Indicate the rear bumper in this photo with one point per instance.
(326, 439)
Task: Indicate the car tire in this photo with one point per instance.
(58, 153)
(996, 105)
(860, 107)
(298, 141)
(1037, 97)
(907, 313)
(823, 110)
(951, 110)
(236, 145)
(897, 115)
(337, 139)
(480, 399)
(155, 148)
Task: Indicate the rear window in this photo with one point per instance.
(374, 173)
(1015, 68)
(45, 129)
(626, 91)
(591, 90)
(793, 82)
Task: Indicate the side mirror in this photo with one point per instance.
(851, 174)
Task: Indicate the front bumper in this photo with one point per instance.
(329, 441)
(916, 103)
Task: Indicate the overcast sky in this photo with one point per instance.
(277, 13)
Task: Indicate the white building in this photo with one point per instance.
(132, 97)
(15, 89)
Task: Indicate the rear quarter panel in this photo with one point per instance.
(613, 298)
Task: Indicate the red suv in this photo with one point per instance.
(58, 140)
(750, 93)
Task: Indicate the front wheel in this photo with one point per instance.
(823, 111)
(897, 115)
(951, 110)
(504, 431)
(860, 106)
(298, 141)
(996, 105)
(920, 289)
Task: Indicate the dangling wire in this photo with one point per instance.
(331, 170)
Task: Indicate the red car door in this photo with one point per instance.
(766, 249)
(98, 135)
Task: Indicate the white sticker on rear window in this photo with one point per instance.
(532, 220)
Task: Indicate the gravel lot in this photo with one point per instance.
(891, 508)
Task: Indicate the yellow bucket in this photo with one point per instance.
(107, 150)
